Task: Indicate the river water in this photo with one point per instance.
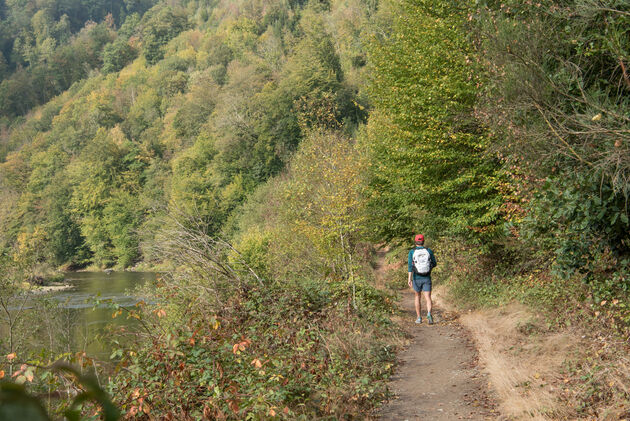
(115, 286)
(70, 321)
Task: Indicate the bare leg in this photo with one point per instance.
(427, 299)
(418, 304)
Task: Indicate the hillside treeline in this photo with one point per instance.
(47, 46)
(196, 123)
(260, 147)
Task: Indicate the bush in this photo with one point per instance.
(274, 350)
(583, 223)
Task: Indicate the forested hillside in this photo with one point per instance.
(196, 123)
(258, 150)
(47, 46)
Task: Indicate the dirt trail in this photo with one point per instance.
(438, 378)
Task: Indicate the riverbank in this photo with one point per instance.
(141, 266)
(54, 287)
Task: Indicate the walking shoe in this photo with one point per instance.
(419, 320)
(430, 318)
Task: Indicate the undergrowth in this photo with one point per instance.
(284, 352)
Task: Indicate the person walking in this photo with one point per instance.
(421, 261)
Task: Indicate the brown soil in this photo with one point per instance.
(438, 378)
(524, 361)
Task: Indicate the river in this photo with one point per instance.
(69, 321)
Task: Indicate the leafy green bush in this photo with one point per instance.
(117, 55)
(583, 222)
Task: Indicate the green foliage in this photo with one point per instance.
(254, 248)
(121, 217)
(45, 48)
(206, 116)
(199, 103)
(194, 189)
(104, 181)
(321, 205)
(556, 101)
(160, 25)
(117, 54)
(427, 151)
(64, 235)
(577, 219)
(311, 223)
(64, 65)
(583, 223)
(557, 88)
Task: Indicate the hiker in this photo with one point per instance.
(420, 262)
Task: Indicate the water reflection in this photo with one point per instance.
(69, 321)
(115, 286)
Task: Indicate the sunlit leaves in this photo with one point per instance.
(427, 169)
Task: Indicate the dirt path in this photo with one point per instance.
(438, 377)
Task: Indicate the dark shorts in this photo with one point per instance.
(422, 284)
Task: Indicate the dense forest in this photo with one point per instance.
(258, 151)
